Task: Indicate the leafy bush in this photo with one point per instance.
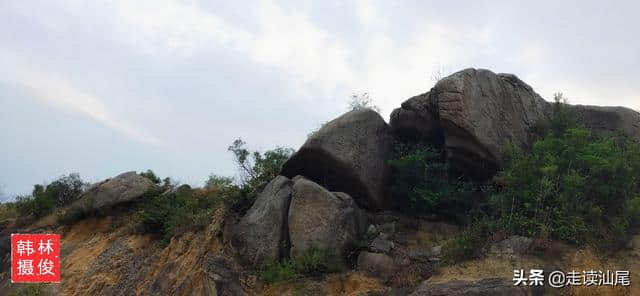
(362, 101)
(44, 199)
(469, 244)
(421, 177)
(312, 262)
(258, 168)
(149, 174)
(169, 214)
(571, 185)
(574, 185)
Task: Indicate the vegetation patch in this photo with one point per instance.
(571, 185)
(312, 262)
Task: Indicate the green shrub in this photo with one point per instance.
(30, 290)
(149, 174)
(421, 177)
(169, 214)
(44, 199)
(312, 262)
(257, 168)
(469, 244)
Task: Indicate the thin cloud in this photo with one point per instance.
(54, 89)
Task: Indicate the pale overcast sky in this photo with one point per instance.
(102, 87)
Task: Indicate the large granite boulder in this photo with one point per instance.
(473, 113)
(328, 221)
(485, 287)
(608, 121)
(124, 188)
(261, 235)
(348, 154)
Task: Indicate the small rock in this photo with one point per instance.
(372, 230)
(388, 228)
(381, 244)
(514, 245)
(436, 251)
(377, 265)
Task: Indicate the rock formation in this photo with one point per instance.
(348, 154)
(473, 113)
(261, 236)
(126, 187)
(328, 221)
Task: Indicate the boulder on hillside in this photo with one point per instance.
(485, 287)
(607, 121)
(328, 221)
(377, 265)
(348, 154)
(262, 234)
(126, 187)
(473, 113)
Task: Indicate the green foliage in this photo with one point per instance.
(149, 174)
(169, 214)
(362, 101)
(257, 168)
(312, 262)
(30, 290)
(44, 199)
(217, 182)
(469, 244)
(422, 178)
(8, 211)
(572, 185)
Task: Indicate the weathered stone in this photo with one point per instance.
(377, 265)
(348, 154)
(262, 234)
(512, 246)
(485, 287)
(330, 222)
(608, 121)
(473, 113)
(381, 244)
(126, 187)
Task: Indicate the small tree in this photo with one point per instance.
(362, 101)
(149, 174)
(255, 167)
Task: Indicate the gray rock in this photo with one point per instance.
(485, 287)
(474, 113)
(348, 154)
(607, 121)
(330, 222)
(381, 244)
(377, 265)
(262, 234)
(126, 187)
(436, 251)
(512, 246)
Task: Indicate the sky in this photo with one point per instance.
(104, 87)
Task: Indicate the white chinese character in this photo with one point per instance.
(536, 277)
(606, 278)
(45, 247)
(519, 278)
(574, 278)
(591, 278)
(623, 278)
(25, 247)
(46, 267)
(25, 267)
